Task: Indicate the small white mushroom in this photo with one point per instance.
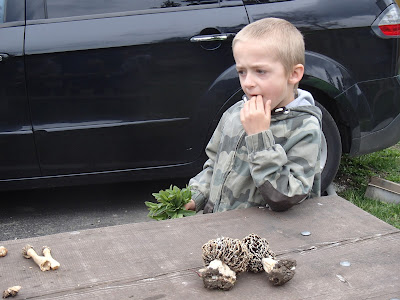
(54, 265)
(217, 275)
(279, 271)
(41, 261)
(3, 251)
(12, 291)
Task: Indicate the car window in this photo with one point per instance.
(70, 8)
(1, 11)
(263, 1)
(35, 9)
(12, 11)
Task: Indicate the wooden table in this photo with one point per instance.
(158, 260)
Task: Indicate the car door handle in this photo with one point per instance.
(3, 56)
(212, 37)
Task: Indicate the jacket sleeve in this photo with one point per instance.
(285, 178)
(200, 184)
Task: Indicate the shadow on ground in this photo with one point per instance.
(30, 213)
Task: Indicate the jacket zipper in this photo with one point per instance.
(217, 203)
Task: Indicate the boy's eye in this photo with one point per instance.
(240, 72)
(261, 71)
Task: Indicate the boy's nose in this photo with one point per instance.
(248, 81)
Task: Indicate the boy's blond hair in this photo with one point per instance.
(286, 40)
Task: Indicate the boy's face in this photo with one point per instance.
(260, 73)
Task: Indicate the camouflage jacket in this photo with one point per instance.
(278, 167)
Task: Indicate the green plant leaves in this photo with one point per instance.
(170, 204)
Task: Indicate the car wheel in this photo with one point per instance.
(331, 149)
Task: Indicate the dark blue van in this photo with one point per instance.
(97, 91)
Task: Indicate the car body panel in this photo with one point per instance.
(378, 114)
(18, 156)
(91, 83)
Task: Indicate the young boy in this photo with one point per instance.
(265, 150)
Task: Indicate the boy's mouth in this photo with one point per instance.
(246, 98)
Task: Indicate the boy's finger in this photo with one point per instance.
(259, 102)
(267, 107)
(252, 103)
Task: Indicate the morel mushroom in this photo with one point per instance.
(279, 271)
(54, 265)
(218, 275)
(41, 261)
(230, 251)
(12, 291)
(3, 251)
(258, 249)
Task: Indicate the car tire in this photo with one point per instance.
(331, 149)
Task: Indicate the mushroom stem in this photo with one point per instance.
(217, 275)
(41, 261)
(12, 291)
(279, 271)
(3, 251)
(268, 264)
(54, 265)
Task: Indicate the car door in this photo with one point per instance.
(17, 149)
(114, 85)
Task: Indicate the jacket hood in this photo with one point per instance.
(304, 97)
(304, 103)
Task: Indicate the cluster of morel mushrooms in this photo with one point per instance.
(45, 263)
(225, 257)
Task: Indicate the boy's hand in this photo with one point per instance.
(255, 115)
(191, 205)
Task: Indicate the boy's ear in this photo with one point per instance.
(297, 74)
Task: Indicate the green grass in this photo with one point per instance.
(353, 177)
